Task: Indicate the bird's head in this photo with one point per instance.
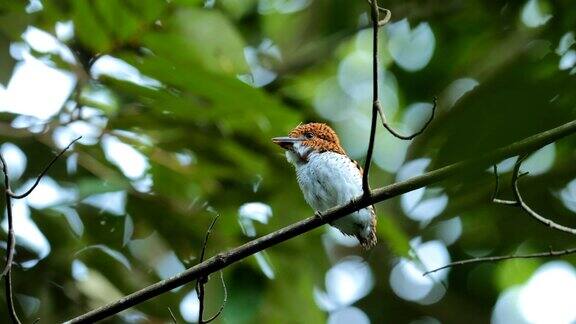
(308, 138)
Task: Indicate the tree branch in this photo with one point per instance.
(227, 258)
(504, 257)
(376, 107)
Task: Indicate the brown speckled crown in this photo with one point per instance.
(321, 137)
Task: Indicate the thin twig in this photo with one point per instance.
(203, 280)
(172, 316)
(10, 247)
(9, 297)
(225, 259)
(496, 189)
(43, 172)
(200, 292)
(215, 316)
(11, 242)
(421, 263)
(504, 257)
(406, 137)
(386, 18)
(375, 17)
(376, 107)
(515, 178)
(519, 202)
(496, 182)
(208, 232)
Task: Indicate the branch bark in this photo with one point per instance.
(227, 258)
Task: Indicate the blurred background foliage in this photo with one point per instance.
(177, 100)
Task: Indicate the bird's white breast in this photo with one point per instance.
(329, 179)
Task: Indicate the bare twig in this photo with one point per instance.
(44, 171)
(224, 259)
(496, 188)
(375, 17)
(11, 244)
(504, 257)
(496, 182)
(406, 137)
(520, 202)
(172, 316)
(376, 107)
(200, 292)
(386, 18)
(203, 280)
(215, 316)
(208, 232)
(10, 247)
(9, 297)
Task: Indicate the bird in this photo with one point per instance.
(328, 177)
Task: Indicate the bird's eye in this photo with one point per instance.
(308, 135)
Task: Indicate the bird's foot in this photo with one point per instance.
(318, 214)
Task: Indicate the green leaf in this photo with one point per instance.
(248, 163)
(119, 20)
(149, 10)
(211, 37)
(13, 19)
(6, 61)
(210, 97)
(88, 28)
(91, 186)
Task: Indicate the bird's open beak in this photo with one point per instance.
(286, 142)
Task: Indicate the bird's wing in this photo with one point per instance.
(370, 241)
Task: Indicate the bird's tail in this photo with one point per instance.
(368, 240)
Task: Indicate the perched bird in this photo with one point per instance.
(328, 177)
